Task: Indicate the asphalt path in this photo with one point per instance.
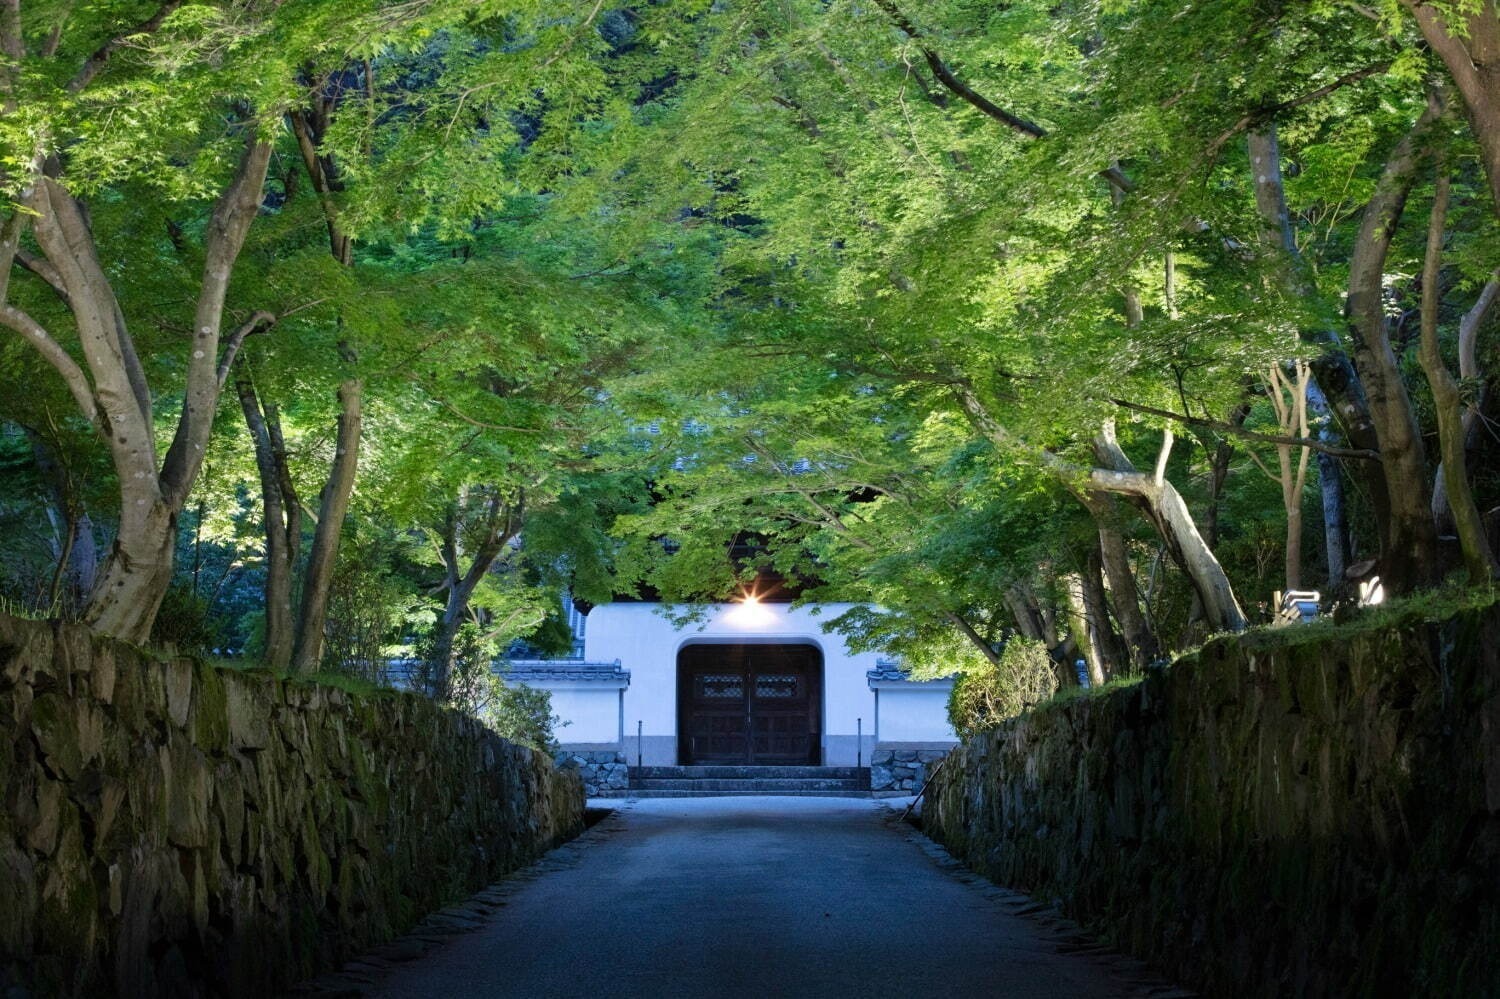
(731, 897)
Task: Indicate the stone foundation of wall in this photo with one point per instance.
(601, 771)
(902, 771)
(173, 828)
(1308, 812)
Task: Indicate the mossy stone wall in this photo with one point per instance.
(172, 828)
(1310, 814)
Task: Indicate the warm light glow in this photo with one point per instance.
(750, 613)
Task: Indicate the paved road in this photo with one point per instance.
(731, 897)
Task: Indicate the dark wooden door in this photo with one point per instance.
(749, 704)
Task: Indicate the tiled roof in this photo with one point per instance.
(890, 671)
(563, 671)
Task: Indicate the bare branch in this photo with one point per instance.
(940, 69)
(225, 236)
(1468, 328)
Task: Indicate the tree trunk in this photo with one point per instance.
(1409, 545)
(1174, 522)
(1469, 371)
(1141, 644)
(112, 393)
(1220, 453)
(1336, 544)
(1293, 547)
(75, 550)
(1034, 622)
(1338, 383)
(455, 605)
(1478, 558)
(1159, 498)
(1140, 640)
(501, 521)
(83, 563)
(137, 573)
(281, 512)
(1082, 628)
(1289, 399)
(1471, 51)
(1109, 650)
(332, 508)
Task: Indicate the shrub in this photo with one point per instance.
(185, 622)
(518, 713)
(988, 693)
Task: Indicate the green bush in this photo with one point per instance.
(516, 712)
(185, 622)
(523, 714)
(988, 693)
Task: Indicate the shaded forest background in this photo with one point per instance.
(343, 331)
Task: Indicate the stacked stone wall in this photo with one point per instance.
(1310, 813)
(603, 772)
(902, 771)
(173, 828)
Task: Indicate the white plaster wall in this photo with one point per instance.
(911, 713)
(646, 643)
(592, 712)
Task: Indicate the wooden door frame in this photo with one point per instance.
(818, 679)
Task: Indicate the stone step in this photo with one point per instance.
(749, 786)
(750, 773)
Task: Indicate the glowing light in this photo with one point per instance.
(1371, 592)
(750, 613)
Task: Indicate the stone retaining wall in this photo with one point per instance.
(172, 828)
(902, 771)
(1304, 813)
(601, 772)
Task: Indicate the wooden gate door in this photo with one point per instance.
(755, 705)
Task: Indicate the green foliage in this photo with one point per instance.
(517, 712)
(678, 277)
(185, 622)
(986, 694)
(523, 715)
(372, 603)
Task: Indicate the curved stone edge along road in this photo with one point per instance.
(747, 896)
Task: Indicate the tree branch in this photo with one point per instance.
(1165, 453)
(60, 359)
(95, 63)
(223, 239)
(1229, 428)
(1468, 328)
(44, 270)
(964, 92)
(1264, 114)
(973, 636)
(261, 320)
